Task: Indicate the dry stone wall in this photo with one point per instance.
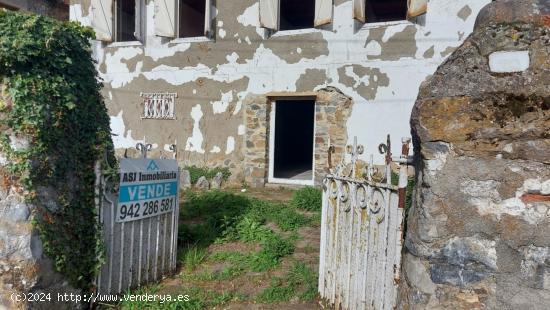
(479, 232)
(24, 269)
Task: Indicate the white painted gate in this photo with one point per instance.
(361, 232)
(139, 251)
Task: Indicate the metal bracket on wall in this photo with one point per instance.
(174, 149)
(144, 148)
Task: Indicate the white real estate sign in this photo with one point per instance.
(148, 187)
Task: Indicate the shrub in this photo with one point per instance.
(307, 198)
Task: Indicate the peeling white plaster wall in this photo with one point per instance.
(118, 73)
(371, 119)
(122, 138)
(221, 105)
(230, 145)
(241, 130)
(484, 195)
(194, 143)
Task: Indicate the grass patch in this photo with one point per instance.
(284, 215)
(219, 217)
(192, 257)
(222, 216)
(300, 281)
(276, 292)
(201, 276)
(308, 198)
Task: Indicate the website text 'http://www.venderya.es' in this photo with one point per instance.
(95, 298)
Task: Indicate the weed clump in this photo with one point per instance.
(300, 279)
(209, 173)
(307, 198)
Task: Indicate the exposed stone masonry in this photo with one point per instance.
(479, 233)
(332, 110)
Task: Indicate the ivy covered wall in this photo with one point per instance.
(53, 128)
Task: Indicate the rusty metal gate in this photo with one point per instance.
(361, 231)
(137, 252)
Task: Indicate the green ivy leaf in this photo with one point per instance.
(57, 105)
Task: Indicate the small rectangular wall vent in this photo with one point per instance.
(159, 105)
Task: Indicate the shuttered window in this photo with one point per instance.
(294, 15)
(183, 18)
(102, 19)
(417, 7)
(165, 18)
(191, 18)
(125, 20)
(118, 20)
(374, 11)
(385, 10)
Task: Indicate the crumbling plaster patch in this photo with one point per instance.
(230, 147)
(194, 143)
(399, 55)
(122, 138)
(221, 105)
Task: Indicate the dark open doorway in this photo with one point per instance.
(293, 141)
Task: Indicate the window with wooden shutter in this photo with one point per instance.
(194, 18)
(417, 8)
(102, 19)
(269, 14)
(359, 10)
(323, 12)
(377, 11)
(125, 17)
(208, 20)
(295, 15)
(165, 18)
(140, 29)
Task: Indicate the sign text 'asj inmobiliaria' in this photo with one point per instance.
(148, 187)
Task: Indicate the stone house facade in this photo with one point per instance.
(267, 87)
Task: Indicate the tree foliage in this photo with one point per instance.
(52, 82)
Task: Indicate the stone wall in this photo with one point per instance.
(332, 111)
(479, 232)
(23, 266)
(256, 122)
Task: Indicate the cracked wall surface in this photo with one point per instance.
(379, 66)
